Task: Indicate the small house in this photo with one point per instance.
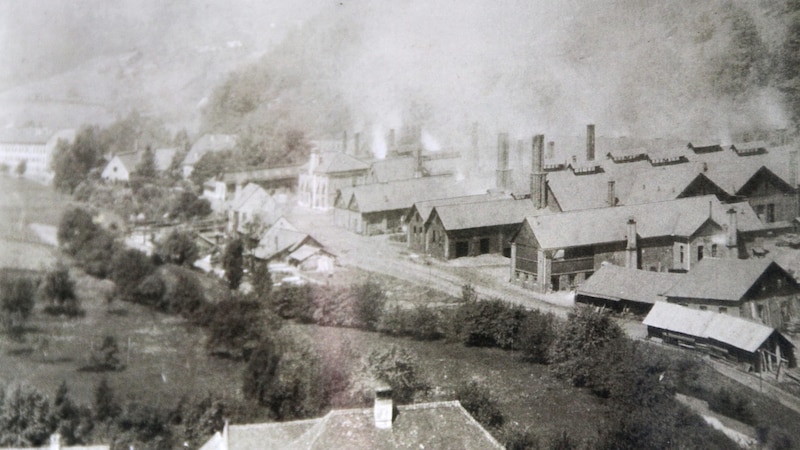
(625, 289)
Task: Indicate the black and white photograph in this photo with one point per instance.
(406, 224)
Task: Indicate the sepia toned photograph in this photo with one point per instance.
(407, 224)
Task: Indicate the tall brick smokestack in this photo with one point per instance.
(631, 250)
(357, 145)
(344, 142)
(503, 175)
(590, 142)
(551, 150)
(611, 199)
(538, 176)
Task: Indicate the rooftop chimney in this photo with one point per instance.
(538, 176)
(730, 236)
(590, 142)
(55, 441)
(611, 200)
(357, 145)
(631, 251)
(503, 173)
(384, 408)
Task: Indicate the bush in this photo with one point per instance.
(150, 292)
(536, 334)
(178, 248)
(236, 326)
(294, 302)
(106, 358)
(477, 400)
(490, 323)
(369, 298)
(58, 289)
(17, 293)
(420, 322)
(730, 404)
(583, 334)
(398, 368)
(128, 268)
(515, 438)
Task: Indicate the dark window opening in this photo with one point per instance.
(462, 249)
(699, 252)
(713, 250)
(484, 246)
(771, 213)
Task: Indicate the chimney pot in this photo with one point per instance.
(384, 408)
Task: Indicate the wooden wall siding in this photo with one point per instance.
(438, 245)
(786, 206)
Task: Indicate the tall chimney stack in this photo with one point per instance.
(631, 251)
(392, 150)
(732, 231)
(551, 150)
(538, 176)
(590, 142)
(611, 200)
(418, 161)
(502, 177)
(344, 142)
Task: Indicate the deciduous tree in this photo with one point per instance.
(233, 263)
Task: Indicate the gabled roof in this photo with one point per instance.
(663, 183)
(681, 217)
(278, 240)
(726, 279)
(616, 283)
(262, 174)
(493, 212)
(392, 169)
(252, 196)
(437, 425)
(724, 328)
(335, 162)
(209, 143)
(426, 206)
(402, 194)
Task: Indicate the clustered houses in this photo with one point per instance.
(327, 174)
(558, 251)
(34, 146)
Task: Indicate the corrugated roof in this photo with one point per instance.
(493, 212)
(620, 283)
(681, 217)
(724, 328)
(720, 278)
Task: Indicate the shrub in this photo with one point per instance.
(398, 368)
(17, 293)
(150, 292)
(490, 323)
(477, 400)
(536, 334)
(420, 322)
(128, 268)
(294, 302)
(178, 248)
(236, 326)
(105, 406)
(233, 262)
(369, 298)
(515, 438)
(106, 358)
(730, 404)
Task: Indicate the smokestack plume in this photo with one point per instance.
(538, 176)
(590, 142)
(503, 172)
(392, 146)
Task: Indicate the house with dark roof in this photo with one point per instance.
(208, 143)
(756, 289)
(625, 289)
(382, 207)
(326, 175)
(759, 347)
(435, 425)
(558, 251)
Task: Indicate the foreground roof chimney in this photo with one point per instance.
(590, 142)
(384, 408)
(730, 235)
(611, 200)
(631, 250)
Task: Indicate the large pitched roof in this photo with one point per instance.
(721, 278)
(252, 196)
(402, 194)
(333, 162)
(426, 206)
(681, 217)
(279, 239)
(263, 174)
(493, 212)
(724, 328)
(620, 283)
(392, 169)
(439, 425)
